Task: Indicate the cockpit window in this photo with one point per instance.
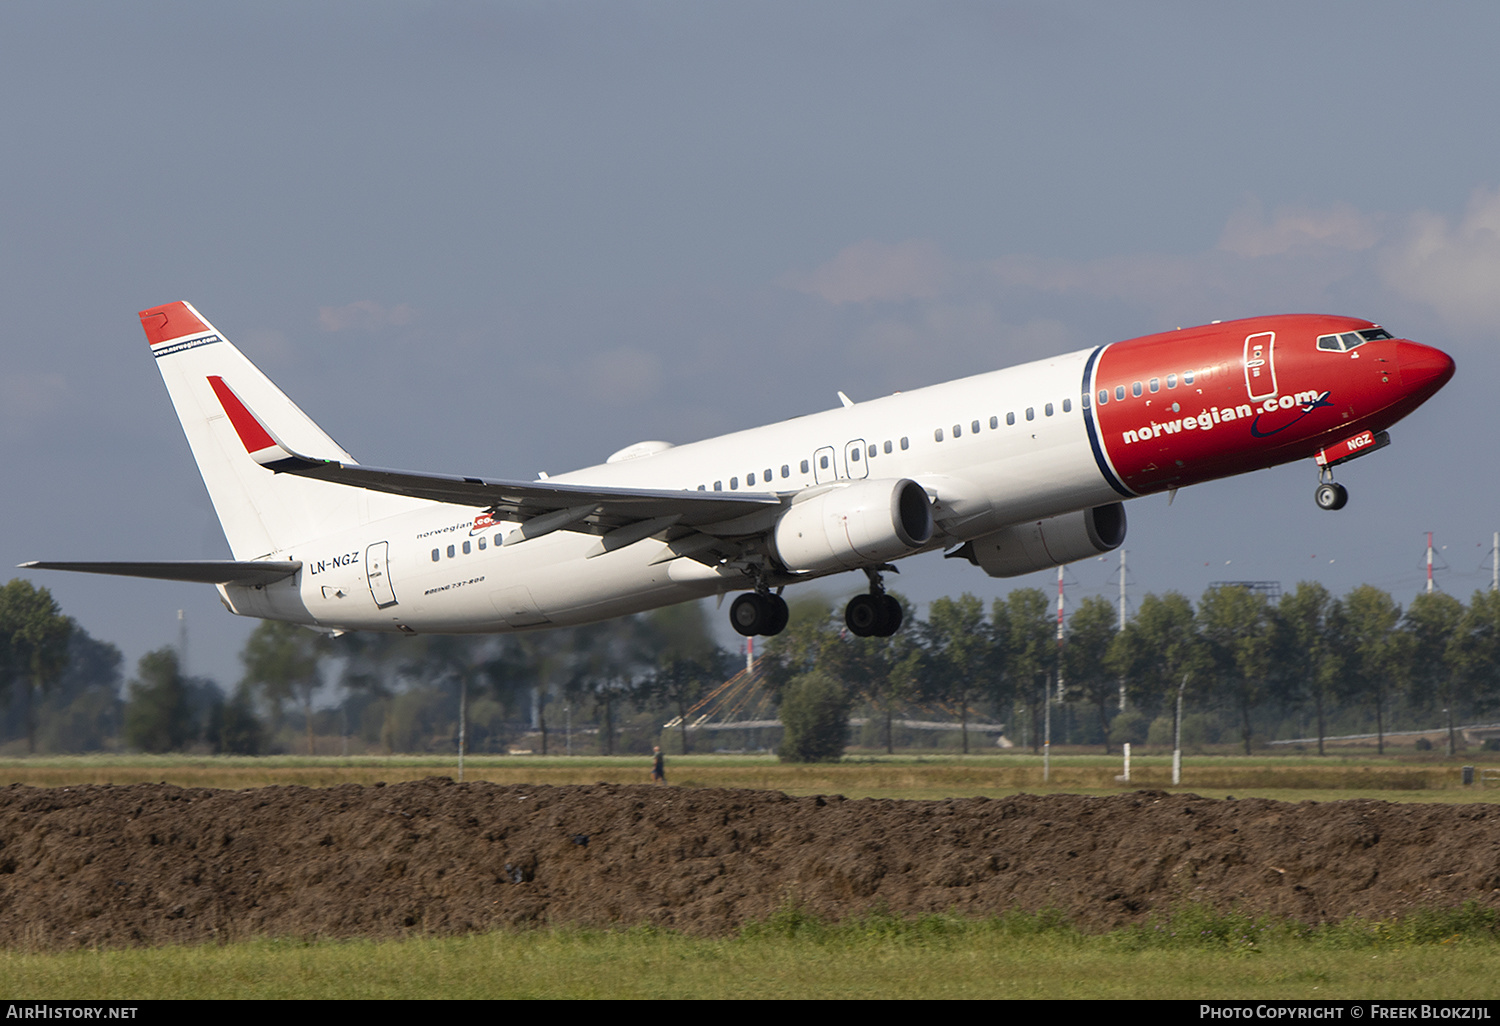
(1351, 339)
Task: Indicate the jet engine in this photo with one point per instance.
(1039, 544)
(858, 525)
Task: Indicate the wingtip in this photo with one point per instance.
(252, 432)
(262, 446)
(173, 320)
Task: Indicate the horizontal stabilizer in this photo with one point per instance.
(201, 571)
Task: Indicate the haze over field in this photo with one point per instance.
(505, 238)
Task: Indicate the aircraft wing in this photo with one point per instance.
(525, 499)
(202, 571)
(587, 508)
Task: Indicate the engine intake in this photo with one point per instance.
(860, 524)
(1024, 548)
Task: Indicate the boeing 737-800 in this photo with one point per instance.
(1016, 470)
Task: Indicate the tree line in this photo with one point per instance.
(64, 691)
(1245, 667)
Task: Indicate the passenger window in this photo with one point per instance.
(481, 544)
(749, 481)
(1156, 384)
(1068, 405)
(703, 488)
(466, 548)
(1010, 418)
(436, 555)
(1031, 413)
(937, 436)
(874, 450)
(804, 466)
(1135, 389)
(1048, 409)
(786, 471)
(974, 427)
(718, 486)
(1085, 401)
(854, 455)
(905, 443)
(766, 477)
(958, 430)
(450, 552)
(1171, 380)
(823, 462)
(1103, 396)
(994, 423)
(887, 446)
(1187, 377)
(1120, 393)
(734, 484)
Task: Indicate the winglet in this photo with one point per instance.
(264, 448)
(175, 320)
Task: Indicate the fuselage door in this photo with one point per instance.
(1260, 365)
(854, 459)
(378, 574)
(825, 465)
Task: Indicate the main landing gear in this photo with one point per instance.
(1329, 494)
(759, 612)
(875, 615)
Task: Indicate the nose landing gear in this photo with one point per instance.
(1329, 494)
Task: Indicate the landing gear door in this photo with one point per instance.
(377, 573)
(1260, 365)
(825, 468)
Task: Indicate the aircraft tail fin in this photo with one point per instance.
(261, 512)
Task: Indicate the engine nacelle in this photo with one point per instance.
(1024, 548)
(860, 524)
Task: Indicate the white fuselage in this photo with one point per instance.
(434, 567)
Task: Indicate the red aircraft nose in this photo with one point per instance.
(1424, 369)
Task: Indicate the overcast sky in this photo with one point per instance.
(502, 238)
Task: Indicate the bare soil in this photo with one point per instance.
(150, 864)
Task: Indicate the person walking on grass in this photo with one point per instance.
(659, 767)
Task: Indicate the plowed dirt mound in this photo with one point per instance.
(153, 864)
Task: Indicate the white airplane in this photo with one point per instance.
(1016, 470)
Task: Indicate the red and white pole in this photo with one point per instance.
(1429, 562)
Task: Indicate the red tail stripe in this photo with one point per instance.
(164, 323)
(254, 437)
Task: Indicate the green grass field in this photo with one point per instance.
(1200, 956)
(1284, 777)
(1197, 955)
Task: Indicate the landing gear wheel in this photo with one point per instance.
(873, 616)
(890, 621)
(864, 615)
(780, 614)
(748, 613)
(1331, 496)
(753, 613)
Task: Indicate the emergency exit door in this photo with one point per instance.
(378, 575)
